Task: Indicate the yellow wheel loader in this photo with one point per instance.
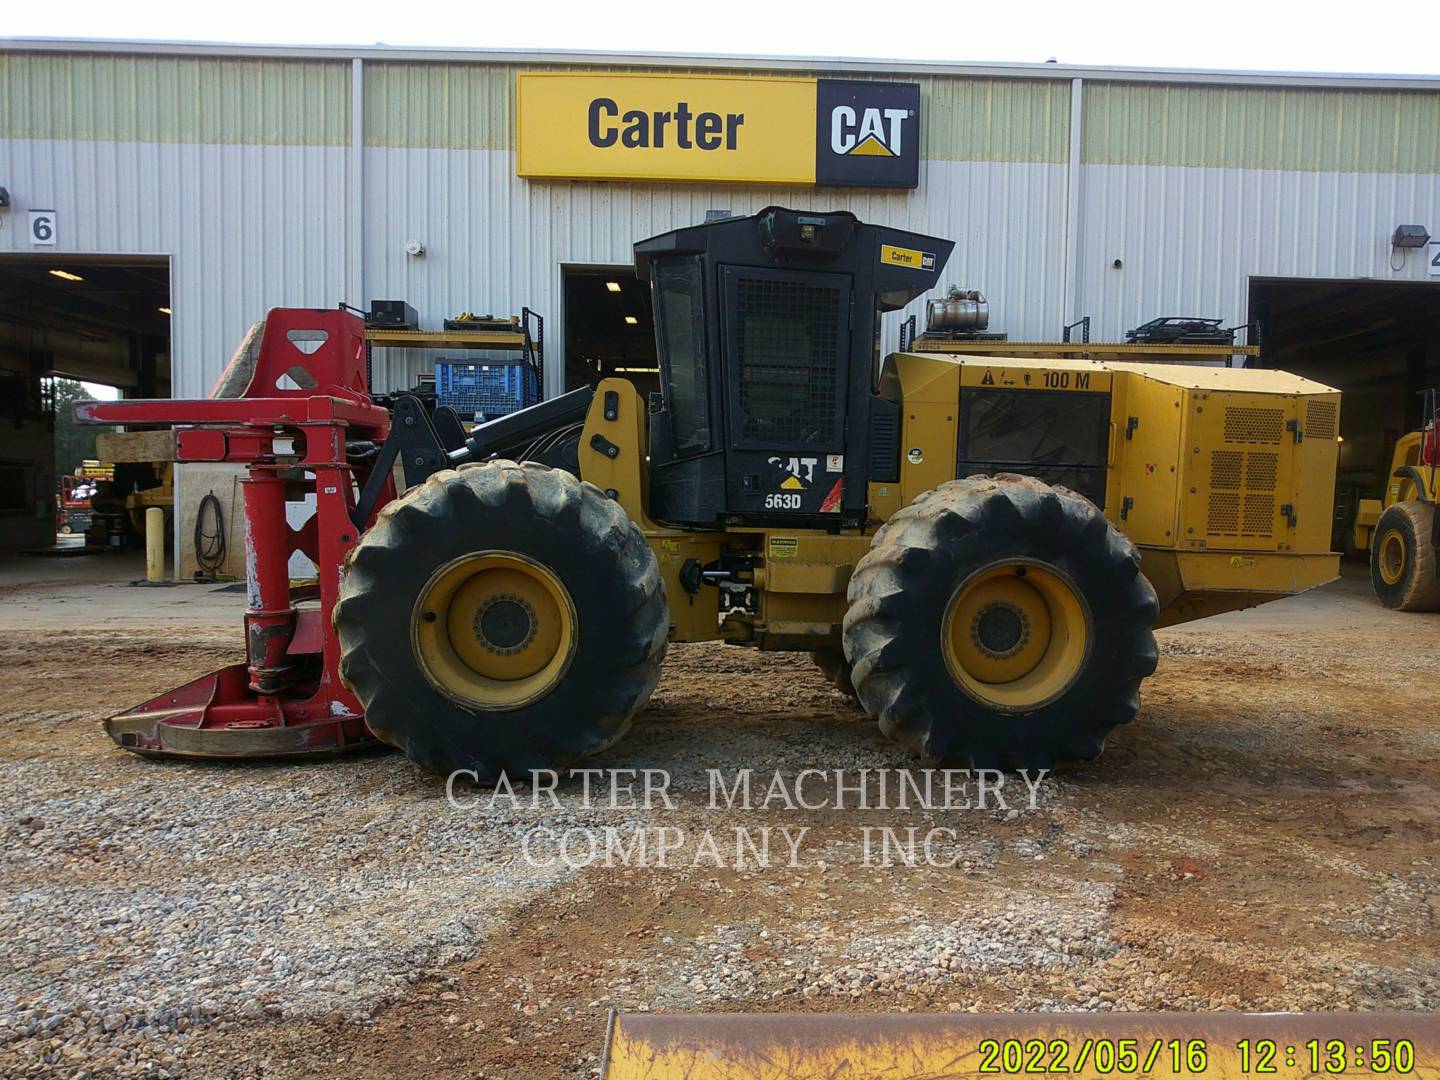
(1400, 530)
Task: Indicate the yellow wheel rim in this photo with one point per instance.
(494, 630)
(1390, 555)
(1016, 635)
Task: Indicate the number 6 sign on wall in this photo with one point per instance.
(42, 227)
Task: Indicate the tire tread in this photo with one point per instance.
(914, 556)
(420, 531)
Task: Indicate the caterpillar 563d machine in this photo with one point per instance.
(977, 548)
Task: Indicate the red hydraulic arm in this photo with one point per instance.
(304, 403)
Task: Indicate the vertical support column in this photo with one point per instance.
(355, 184)
(335, 535)
(269, 614)
(1070, 285)
(178, 389)
(154, 545)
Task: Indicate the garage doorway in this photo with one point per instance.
(1377, 342)
(609, 329)
(71, 325)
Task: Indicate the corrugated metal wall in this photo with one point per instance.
(235, 169)
(241, 170)
(1189, 240)
(494, 243)
(440, 168)
(1244, 127)
(247, 228)
(1196, 189)
(174, 99)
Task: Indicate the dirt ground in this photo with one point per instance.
(1264, 836)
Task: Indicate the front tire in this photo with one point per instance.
(1403, 570)
(998, 622)
(501, 618)
(836, 669)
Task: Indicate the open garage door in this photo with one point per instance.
(1378, 342)
(67, 320)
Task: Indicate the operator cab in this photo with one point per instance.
(768, 335)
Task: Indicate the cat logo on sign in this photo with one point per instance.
(867, 134)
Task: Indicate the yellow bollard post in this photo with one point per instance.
(154, 544)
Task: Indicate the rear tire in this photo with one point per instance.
(1403, 570)
(998, 622)
(502, 618)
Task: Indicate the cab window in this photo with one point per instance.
(680, 326)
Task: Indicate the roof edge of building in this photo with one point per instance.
(719, 62)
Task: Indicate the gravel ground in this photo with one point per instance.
(142, 903)
(1263, 837)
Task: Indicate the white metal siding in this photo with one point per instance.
(495, 243)
(1191, 238)
(246, 228)
(252, 227)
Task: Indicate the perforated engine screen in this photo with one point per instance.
(789, 344)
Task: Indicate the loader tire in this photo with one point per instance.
(501, 618)
(1403, 565)
(1000, 623)
(835, 668)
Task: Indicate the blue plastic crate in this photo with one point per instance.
(485, 391)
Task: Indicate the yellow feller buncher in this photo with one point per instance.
(1400, 530)
(978, 549)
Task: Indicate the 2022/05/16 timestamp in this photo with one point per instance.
(1258, 1057)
